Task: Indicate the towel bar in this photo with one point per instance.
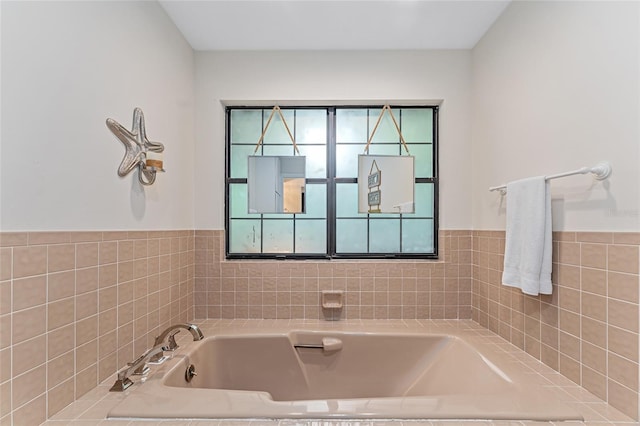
(600, 171)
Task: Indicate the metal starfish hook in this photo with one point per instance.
(136, 147)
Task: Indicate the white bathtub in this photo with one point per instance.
(377, 375)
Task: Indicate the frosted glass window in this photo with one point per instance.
(347, 200)
(276, 132)
(286, 149)
(311, 126)
(330, 139)
(417, 125)
(316, 200)
(351, 235)
(277, 236)
(245, 236)
(423, 194)
(278, 216)
(423, 154)
(239, 162)
(247, 126)
(239, 204)
(417, 235)
(386, 131)
(384, 235)
(386, 149)
(347, 160)
(311, 236)
(351, 126)
(316, 160)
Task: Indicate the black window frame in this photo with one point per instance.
(331, 182)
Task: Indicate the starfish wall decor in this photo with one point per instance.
(138, 149)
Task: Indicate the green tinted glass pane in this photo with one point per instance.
(277, 133)
(351, 125)
(386, 149)
(239, 160)
(244, 236)
(351, 236)
(246, 125)
(316, 166)
(417, 236)
(277, 236)
(311, 236)
(381, 215)
(423, 154)
(316, 200)
(347, 200)
(384, 235)
(417, 125)
(347, 160)
(278, 216)
(311, 126)
(424, 200)
(238, 204)
(277, 150)
(386, 131)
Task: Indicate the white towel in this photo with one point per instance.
(527, 256)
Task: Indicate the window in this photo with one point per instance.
(331, 138)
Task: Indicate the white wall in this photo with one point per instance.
(556, 87)
(376, 76)
(66, 67)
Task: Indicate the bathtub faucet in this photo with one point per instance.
(170, 333)
(139, 366)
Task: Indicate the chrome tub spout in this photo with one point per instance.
(170, 333)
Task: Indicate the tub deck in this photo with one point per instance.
(458, 370)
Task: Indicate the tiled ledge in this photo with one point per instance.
(92, 408)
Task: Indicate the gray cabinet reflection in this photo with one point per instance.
(276, 184)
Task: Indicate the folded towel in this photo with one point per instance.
(527, 256)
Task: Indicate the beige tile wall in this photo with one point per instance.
(76, 306)
(588, 329)
(372, 289)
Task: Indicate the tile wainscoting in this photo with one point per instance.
(380, 289)
(76, 306)
(588, 329)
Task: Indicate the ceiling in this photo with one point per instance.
(333, 24)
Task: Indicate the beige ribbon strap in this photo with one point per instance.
(264, 132)
(395, 123)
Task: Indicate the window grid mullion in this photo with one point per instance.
(331, 184)
(368, 215)
(293, 243)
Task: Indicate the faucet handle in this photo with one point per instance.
(137, 360)
(171, 340)
(140, 371)
(143, 368)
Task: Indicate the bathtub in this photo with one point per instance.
(319, 374)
